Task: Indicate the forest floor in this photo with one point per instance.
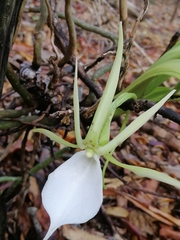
(141, 209)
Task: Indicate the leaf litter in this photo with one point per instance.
(139, 209)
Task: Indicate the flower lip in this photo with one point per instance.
(73, 192)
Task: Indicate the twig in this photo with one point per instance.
(18, 87)
(88, 27)
(107, 218)
(51, 26)
(139, 19)
(38, 35)
(143, 105)
(127, 47)
(61, 40)
(72, 35)
(164, 112)
(111, 51)
(8, 148)
(3, 217)
(175, 11)
(92, 28)
(19, 18)
(92, 86)
(8, 21)
(123, 16)
(172, 42)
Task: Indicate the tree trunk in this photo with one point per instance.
(8, 22)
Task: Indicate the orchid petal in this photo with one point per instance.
(73, 192)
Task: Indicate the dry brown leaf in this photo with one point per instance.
(154, 212)
(147, 209)
(109, 192)
(163, 135)
(117, 211)
(174, 220)
(165, 204)
(18, 145)
(24, 222)
(70, 137)
(151, 185)
(167, 232)
(143, 222)
(112, 183)
(73, 233)
(43, 218)
(34, 192)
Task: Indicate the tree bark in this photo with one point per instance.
(8, 22)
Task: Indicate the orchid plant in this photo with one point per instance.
(73, 192)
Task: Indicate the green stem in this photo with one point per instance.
(8, 124)
(36, 168)
(14, 113)
(9, 179)
(47, 161)
(101, 71)
(13, 79)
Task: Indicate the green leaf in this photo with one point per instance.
(154, 82)
(170, 68)
(157, 94)
(173, 53)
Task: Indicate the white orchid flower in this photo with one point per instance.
(73, 192)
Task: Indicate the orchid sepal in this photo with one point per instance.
(145, 172)
(54, 137)
(107, 97)
(133, 126)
